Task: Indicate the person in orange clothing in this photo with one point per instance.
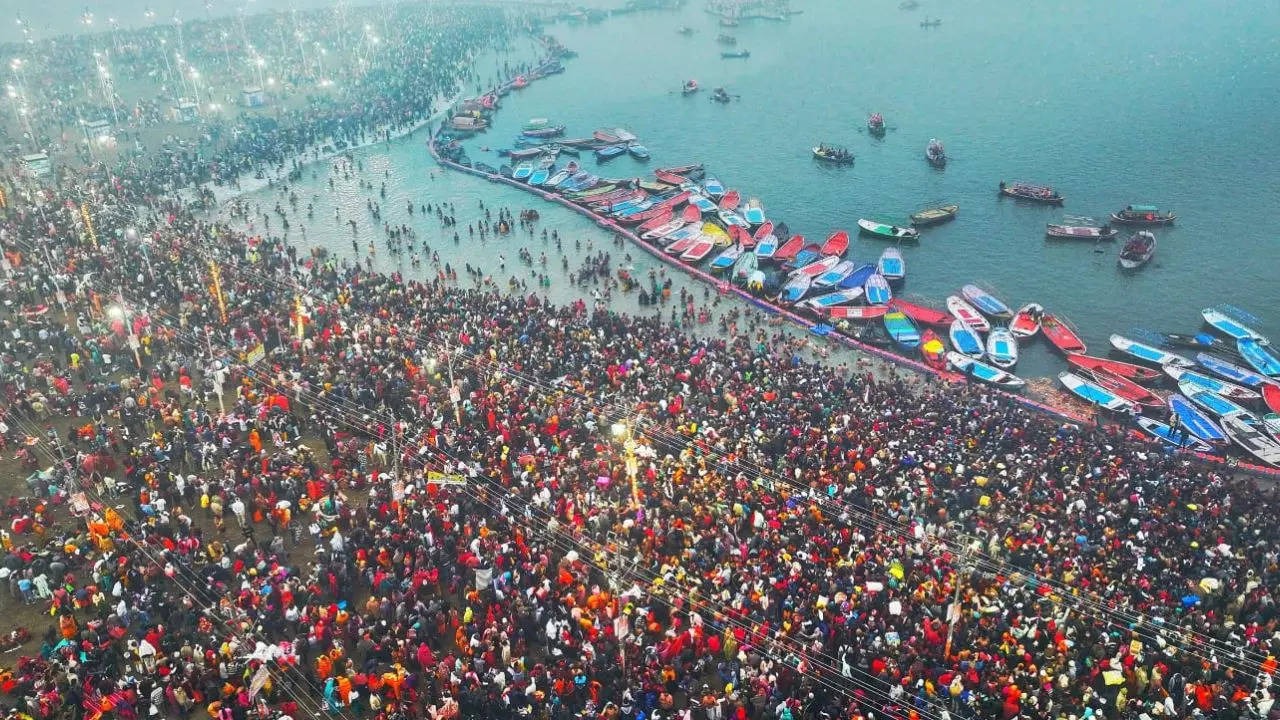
(255, 441)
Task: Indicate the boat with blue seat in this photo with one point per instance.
(1002, 347)
(901, 329)
(1148, 353)
(858, 277)
(1182, 440)
(983, 372)
(892, 265)
(1094, 394)
(1232, 372)
(876, 289)
(966, 340)
(1257, 355)
(1231, 327)
(1210, 383)
(1194, 420)
(838, 272)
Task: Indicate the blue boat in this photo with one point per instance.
(729, 218)
(804, 257)
(539, 176)
(1194, 421)
(901, 329)
(1212, 384)
(1209, 400)
(877, 290)
(966, 340)
(1259, 357)
(858, 277)
(767, 247)
(1150, 354)
(634, 209)
(702, 203)
(609, 152)
(754, 212)
(725, 259)
(832, 299)
(713, 187)
(638, 151)
(1094, 394)
(555, 181)
(1231, 371)
(1002, 347)
(984, 372)
(892, 265)
(835, 274)
(1160, 431)
(1229, 326)
(795, 288)
(522, 172)
(987, 303)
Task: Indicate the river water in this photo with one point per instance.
(1163, 103)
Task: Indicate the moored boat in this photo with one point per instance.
(1236, 374)
(1137, 250)
(1183, 374)
(961, 309)
(753, 212)
(832, 299)
(608, 152)
(807, 254)
(935, 153)
(690, 87)
(1194, 421)
(1061, 335)
(1169, 436)
(1147, 353)
(1219, 320)
(522, 172)
(934, 215)
(892, 265)
(819, 266)
(1257, 355)
(1208, 400)
(858, 277)
(746, 265)
(986, 303)
(923, 314)
(1002, 347)
(1147, 215)
(887, 231)
(789, 249)
(838, 272)
(539, 177)
(833, 154)
(795, 288)
(966, 340)
(932, 350)
(638, 151)
(766, 247)
(875, 125)
(700, 248)
(901, 329)
(726, 259)
(836, 243)
(983, 372)
(1028, 191)
(857, 312)
(1127, 389)
(1080, 232)
(664, 229)
(730, 200)
(1094, 394)
(1271, 396)
(876, 289)
(1129, 371)
(1026, 322)
(1244, 430)
(544, 132)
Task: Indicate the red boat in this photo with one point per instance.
(1061, 335)
(651, 213)
(682, 169)
(857, 312)
(691, 214)
(789, 249)
(1271, 396)
(763, 231)
(657, 220)
(742, 237)
(932, 350)
(730, 200)
(921, 314)
(675, 200)
(670, 177)
(1128, 371)
(1127, 389)
(836, 244)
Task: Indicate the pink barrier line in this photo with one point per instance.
(723, 286)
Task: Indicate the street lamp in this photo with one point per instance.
(622, 431)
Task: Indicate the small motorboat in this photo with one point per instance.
(892, 265)
(690, 87)
(957, 306)
(638, 151)
(932, 350)
(522, 172)
(1195, 421)
(721, 95)
(1175, 438)
(836, 243)
(1127, 389)
(901, 329)
(536, 124)
(858, 277)
(988, 304)
(833, 299)
(1128, 371)
(833, 154)
(736, 54)
(966, 340)
(1026, 322)
(1219, 320)
(838, 272)
(1145, 215)
(608, 152)
(935, 153)
(1233, 372)
(1138, 250)
(876, 289)
(1034, 193)
(1060, 334)
(795, 289)
(1095, 394)
(1080, 232)
(875, 125)
(753, 212)
(983, 372)
(726, 259)
(713, 187)
(1002, 347)
(726, 39)
(1257, 355)
(934, 215)
(544, 132)
(1245, 430)
(1183, 374)
(857, 312)
(1271, 396)
(789, 249)
(887, 231)
(1201, 341)
(1147, 353)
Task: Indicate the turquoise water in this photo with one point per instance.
(1163, 103)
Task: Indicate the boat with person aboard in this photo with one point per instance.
(935, 153)
(1028, 191)
(1143, 215)
(875, 125)
(690, 87)
(833, 154)
(1137, 251)
(934, 215)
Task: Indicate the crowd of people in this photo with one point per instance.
(265, 483)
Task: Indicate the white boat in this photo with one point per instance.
(1026, 322)
(1208, 400)
(877, 290)
(1244, 430)
(837, 273)
(984, 372)
(1094, 394)
(1231, 327)
(966, 340)
(1145, 352)
(1002, 347)
(832, 299)
(1220, 387)
(987, 303)
(664, 229)
(795, 288)
(962, 310)
(892, 265)
(889, 232)
(1165, 433)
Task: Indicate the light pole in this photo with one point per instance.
(24, 110)
(226, 49)
(622, 431)
(121, 312)
(168, 68)
(195, 84)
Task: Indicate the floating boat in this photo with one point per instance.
(837, 242)
(683, 239)
(833, 154)
(966, 312)
(1257, 355)
(875, 125)
(1147, 215)
(701, 203)
(744, 267)
(670, 178)
(886, 231)
(1034, 193)
(762, 232)
(872, 334)
(721, 96)
(766, 247)
(638, 151)
(966, 340)
(1127, 389)
(901, 329)
(857, 312)
(877, 291)
(1128, 371)
(561, 175)
(1231, 327)
(807, 254)
(736, 54)
(932, 350)
(1201, 341)
(1271, 396)
(713, 187)
(1147, 353)
(1212, 384)
(934, 215)
(1271, 421)
(1026, 322)
(726, 259)
(1080, 232)
(717, 234)
(730, 218)
(1060, 334)
(987, 303)
(730, 200)
(536, 124)
(1166, 434)
(838, 272)
(1002, 347)
(1137, 250)
(1244, 430)
(742, 237)
(606, 136)
(522, 172)
(984, 372)
(608, 152)
(506, 171)
(539, 176)
(700, 248)
(923, 314)
(1094, 394)
(1233, 372)
(1194, 421)
(1209, 400)
(819, 266)
(892, 265)
(664, 229)
(795, 289)
(789, 249)
(753, 212)
(832, 299)
(935, 154)
(858, 277)
(545, 132)
(693, 171)
(690, 87)
(726, 39)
